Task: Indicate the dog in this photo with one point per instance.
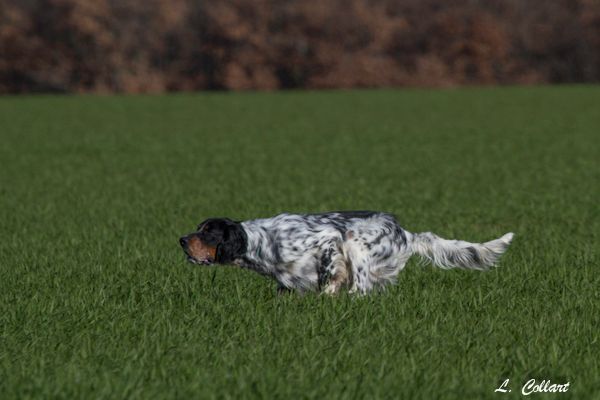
(355, 250)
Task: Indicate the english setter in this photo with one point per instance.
(357, 250)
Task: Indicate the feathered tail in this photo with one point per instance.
(457, 253)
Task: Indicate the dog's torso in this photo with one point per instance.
(307, 251)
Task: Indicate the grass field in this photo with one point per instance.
(96, 300)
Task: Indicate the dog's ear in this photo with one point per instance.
(233, 244)
(202, 224)
(214, 222)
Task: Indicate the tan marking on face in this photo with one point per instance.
(201, 251)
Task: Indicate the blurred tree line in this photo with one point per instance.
(169, 45)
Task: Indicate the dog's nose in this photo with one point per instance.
(183, 241)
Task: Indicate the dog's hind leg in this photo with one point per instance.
(375, 262)
(338, 279)
(358, 264)
(334, 273)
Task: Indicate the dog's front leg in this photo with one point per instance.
(282, 290)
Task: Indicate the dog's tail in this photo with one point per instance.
(457, 253)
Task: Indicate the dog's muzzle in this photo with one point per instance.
(196, 251)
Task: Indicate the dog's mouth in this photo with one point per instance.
(193, 260)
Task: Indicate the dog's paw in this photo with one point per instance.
(331, 289)
(282, 290)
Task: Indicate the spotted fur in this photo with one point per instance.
(356, 250)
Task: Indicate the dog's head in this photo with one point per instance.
(217, 240)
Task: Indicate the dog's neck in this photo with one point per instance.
(261, 254)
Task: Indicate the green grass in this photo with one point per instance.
(96, 300)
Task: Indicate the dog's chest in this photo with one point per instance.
(301, 273)
(293, 269)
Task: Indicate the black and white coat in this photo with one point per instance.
(357, 250)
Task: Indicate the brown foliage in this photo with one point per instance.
(167, 45)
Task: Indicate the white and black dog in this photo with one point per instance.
(358, 250)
